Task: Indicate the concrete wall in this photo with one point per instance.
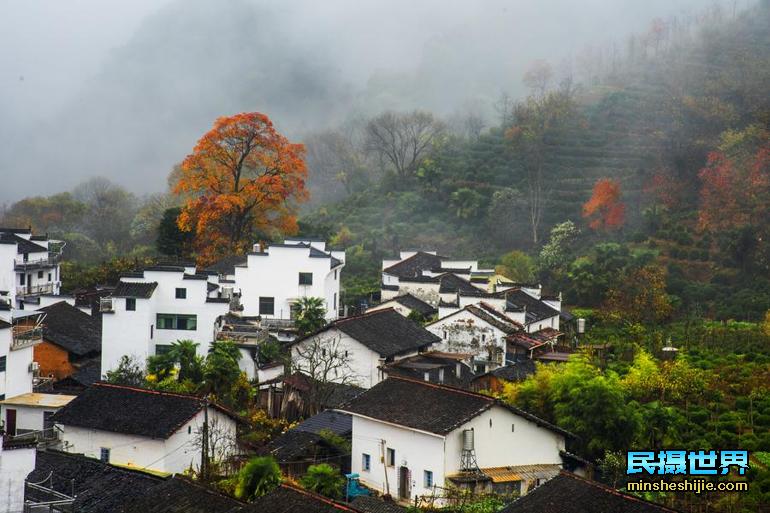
(174, 455)
(463, 332)
(415, 450)
(15, 465)
(498, 444)
(363, 363)
(275, 273)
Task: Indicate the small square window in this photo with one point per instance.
(181, 293)
(391, 457)
(104, 455)
(40, 274)
(428, 479)
(366, 462)
(305, 278)
(266, 306)
(131, 304)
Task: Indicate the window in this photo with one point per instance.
(130, 304)
(26, 257)
(335, 274)
(104, 455)
(177, 322)
(266, 306)
(40, 274)
(189, 430)
(181, 293)
(2, 363)
(366, 462)
(305, 278)
(335, 302)
(427, 478)
(483, 337)
(391, 457)
(2, 397)
(21, 279)
(513, 428)
(162, 349)
(426, 376)
(49, 276)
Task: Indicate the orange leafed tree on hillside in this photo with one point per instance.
(242, 180)
(605, 211)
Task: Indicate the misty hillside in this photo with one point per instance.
(640, 119)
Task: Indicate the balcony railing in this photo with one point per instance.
(33, 290)
(26, 336)
(49, 261)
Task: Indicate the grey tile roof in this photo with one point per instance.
(429, 407)
(414, 265)
(386, 332)
(568, 493)
(334, 421)
(71, 329)
(140, 290)
(128, 410)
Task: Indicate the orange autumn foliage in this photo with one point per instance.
(604, 210)
(242, 180)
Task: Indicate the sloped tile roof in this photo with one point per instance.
(227, 264)
(568, 493)
(414, 265)
(386, 332)
(134, 289)
(334, 421)
(128, 410)
(429, 407)
(180, 495)
(288, 499)
(71, 329)
(369, 504)
(415, 303)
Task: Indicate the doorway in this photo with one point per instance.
(404, 484)
(10, 422)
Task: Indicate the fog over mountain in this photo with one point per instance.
(124, 89)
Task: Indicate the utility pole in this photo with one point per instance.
(205, 442)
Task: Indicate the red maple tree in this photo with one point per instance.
(604, 210)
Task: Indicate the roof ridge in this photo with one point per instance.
(448, 388)
(613, 491)
(331, 502)
(147, 390)
(361, 316)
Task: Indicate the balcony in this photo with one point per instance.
(278, 324)
(26, 336)
(50, 261)
(35, 290)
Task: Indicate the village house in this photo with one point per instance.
(149, 310)
(411, 439)
(29, 266)
(434, 367)
(71, 339)
(354, 349)
(145, 429)
(408, 305)
(479, 330)
(418, 273)
(272, 278)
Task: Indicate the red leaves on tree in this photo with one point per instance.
(243, 179)
(735, 191)
(605, 211)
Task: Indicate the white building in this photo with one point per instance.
(419, 272)
(406, 305)
(356, 348)
(479, 330)
(410, 437)
(17, 460)
(150, 310)
(271, 279)
(29, 266)
(33, 412)
(17, 370)
(145, 429)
